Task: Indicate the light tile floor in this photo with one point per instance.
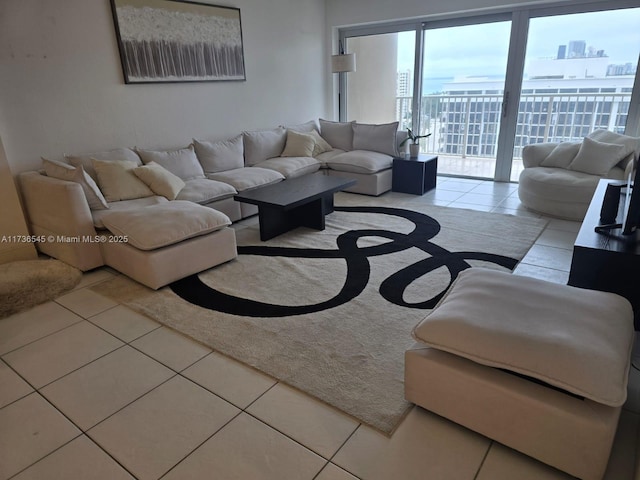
(90, 389)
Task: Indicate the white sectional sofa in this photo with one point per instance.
(77, 197)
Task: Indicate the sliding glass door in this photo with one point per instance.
(464, 71)
(486, 86)
(579, 72)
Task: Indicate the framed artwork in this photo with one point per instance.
(176, 41)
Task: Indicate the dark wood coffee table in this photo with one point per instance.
(297, 202)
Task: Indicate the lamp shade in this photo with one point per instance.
(345, 62)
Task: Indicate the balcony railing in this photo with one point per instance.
(468, 125)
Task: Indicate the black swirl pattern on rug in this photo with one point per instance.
(193, 290)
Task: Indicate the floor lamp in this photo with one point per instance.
(340, 64)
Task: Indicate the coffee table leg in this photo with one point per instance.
(310, 215)
(275, 221)
(327, 203)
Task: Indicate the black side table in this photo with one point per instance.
(414, 175)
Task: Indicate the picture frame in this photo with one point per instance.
(168, 41)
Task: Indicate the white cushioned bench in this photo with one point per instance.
(167, 241)
(539, 367)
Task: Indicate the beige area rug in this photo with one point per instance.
(27, 283)
(331, 312)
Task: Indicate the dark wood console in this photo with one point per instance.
(602, 262)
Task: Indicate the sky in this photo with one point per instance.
(484, 47)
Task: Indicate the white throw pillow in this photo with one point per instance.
(260, 145)
(378, 138)
(631, 144)
(182, 163)
(321, 144)
(118, 182)
(220, 156)
(160, 180)
(338, 134)
(597, 158)
(63, 171)
(115, 154)
(562, 155)
(298, 145)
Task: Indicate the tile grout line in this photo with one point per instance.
(82, 433)
(484, 459)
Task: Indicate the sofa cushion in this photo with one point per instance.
(298, 145)
(125, 205)
(631, 144)
(306, 127)
(575, 339)
(291, 167)
(337, 134)
(165, 224)
(248, 177)
(597, 158)
(220, 156)
(263, 144)
(118, 182)
(360, 161)
(182, 162)
(204, 190)
(115, 154)
(379, 137)
(562, 155)
(63, 171)
(160, 180)
(324, 157)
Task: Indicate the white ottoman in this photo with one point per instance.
(167, 242)
(539, 367)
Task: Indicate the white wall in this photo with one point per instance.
(357, 12)
(62, 90)
(372, 87)
(12, 221)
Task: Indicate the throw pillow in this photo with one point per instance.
(597, 158)
(378, 138)
(306, 127)
(298, 145)
(160, 180)
(562, 155)
(264, 144)
(631, 144)
(321, 144)
(118, 182)
(338, 134)
(115, 154)
(182, 163)
(63, 171)
(220, 156)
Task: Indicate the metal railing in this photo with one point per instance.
(468, 125)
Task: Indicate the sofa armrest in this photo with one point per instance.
(58, 210)
(534, 154)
